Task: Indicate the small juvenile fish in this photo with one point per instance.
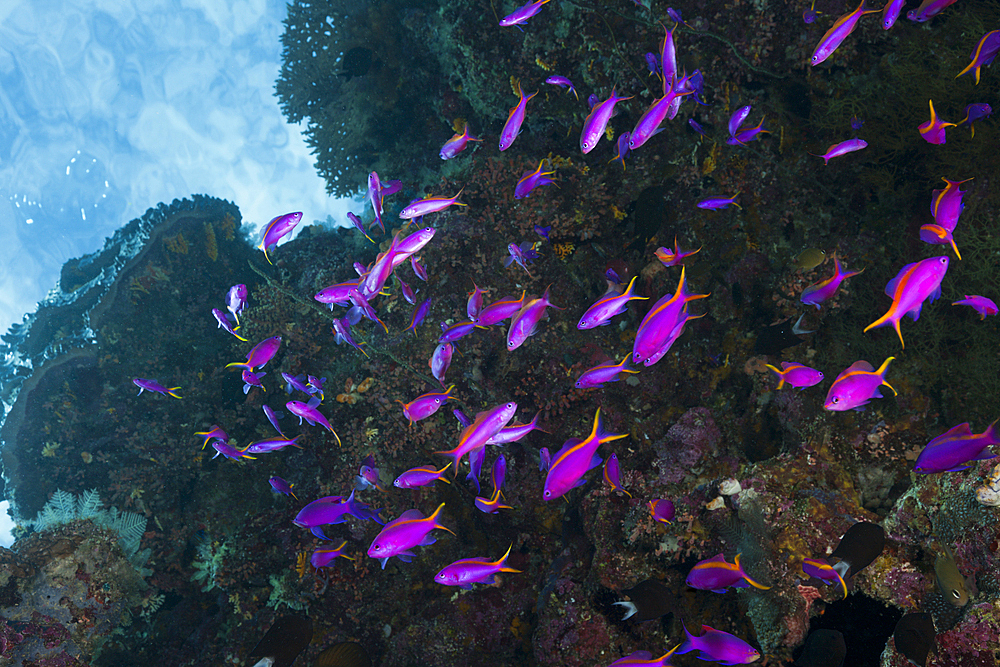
(796, 375)
(856, 385)
(323, 556)
(716, 575)
(716, 203)
(523, 254)
(236, 300)
(974, 112)
(933, 131)
(342, 334)
(986, 50)
(843, 148)
(562, 82)
(152, 385)
(662, 510)
(622, 150)
(719, 646)
(251, 380)
(468, 571)
(818, 293)
(358, 225)
(981, 304)
(277, 229)
(368, 475)
(281, 486)
(411, 529)
(419, 313)
(914, 284)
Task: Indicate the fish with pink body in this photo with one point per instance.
(419, 313)
(746, 136)
(674, 258)
(224, 322)
(719, 646)
(423, 476)
(236, 300)
(475, 436)
(818, 293)
(368, 475)
(457, 143)
(648, 124)
(313, 416)
(491, 505)
(562, 82)
(440, 361)
(261, 353)
(468, 571)
(152, 385)
(946, 207)
(425, 405)
(500, 310)
(597, 122)
(914, 284)
(401, 535)
(475, 303)
(644, 659)
(455, 331)
(661, 325)
(974, 112)
(525, 322)
(214, 433)
(609, 305)
(332, 510)
(957, 448)
(796, 375)
(411, 244)
(662, 510)
(715, 203)
(531, 180)
(843, 148)
(277, 229)
(603, 373)
(512, 127)
(890, 13)
(613, 474)
(323, 556)
(522, 14)
(251, 380)
(513, 433)
(986, 50)
(838, 32)
(716, 575)
(568, 466)
(856, 385)
(281, 486)
(980, 304)
(337, 294)
(928, 9)
(342, 334)
(737, 118)
(933, 131)
(523, 254)
(229, 451)
(269, 445)
(428, 205)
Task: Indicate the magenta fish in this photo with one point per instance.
(746, 136)
(422, 207)
(603, 373)
(525, 322)
(974, 112)
(946, 207)
(933, 131)
(342, 334)
(644, 658)
(251, 380)
(674, 257)
(333, 510)
(486, 425)
(597, 122)
(521, 15)
(475, 303)
(648, 124)
(837, 33)
(214, 433)
(562, 82)
(419, 313)
(957, 448)
(928, 9)
(662, 510)
(512, 433)
(401, 535)
(269, 445)
(455, 331)
(986, 50)
(981, 304)
(500, 310)
(714, 204)
(822, 570)
(468, 571)
(856, 385)
(457, 143)
(236, 300)
(277, 229)
(224, 322)
(576, 457)
(843, 148)
(323, 556)
(719, 646)
(423, 476)
(313, 416)
(716, 575)
(522, 254)
(491, 505)
(914, 284)
(229, 451)
(613, 474)
(261, 353)
(440, 361)
(737, 118)
(152, 385)
(611, 304)
(337, 294)
(531, 180)
(358, 225)
(425, 405)
(281, 486)
(818, 293)
(515, 119)
(796, 375)
(662, 324)
(368, 475)
(890, 13)
(622, 150)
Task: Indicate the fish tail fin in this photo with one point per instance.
(885, 367)
(239, 364)
(433, 518)
(955, 248)
(991, 432)
(747, 576)
(441, 471)
(884, 320)
(503, 559)
(171, 391)
(781, 376)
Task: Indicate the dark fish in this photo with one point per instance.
(824, 648)
(648, 600)
(861, 544)
(288, 637)
(773, 339)
(344, 654)
(358, 62)
(914, 637)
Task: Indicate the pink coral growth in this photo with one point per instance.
(974, 643)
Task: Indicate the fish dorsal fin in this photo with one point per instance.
(411, 515)
(890, 289)
(861, 366)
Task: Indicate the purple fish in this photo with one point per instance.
(746, 136)
(416, 477)
(358, 225)
(981, 304)
(809, 15)
(543, 231)
(662, 324)
(986, 50)
(229, 451)
(408, 294)
(337, 294)
(822, 570)
(491, 505)
(421, 207)
(668, 60)
(333, 510)
(313, 416)
(261, 353)
(368, 475)
(500, 310)
(276, 230)
(602, 373)
(818, 293)
(236, 300)
(375, 196)
(152, 385)
(456, 331)
(837, 33)
(914, 284)
(224, 322)
(486, 425)
(531, 180)
(214, 433)
(425, 405)
(652, 63)
(273, 417)
(418, 269)
(468, 571)
(281, 486)
(719, 646)
(954, 449)
(293, 382)
(714, 204)
(475, 303)
(562, 82)
(522, 14)
(400, 535)
(716, 575)
(662, 510)
(856, 385)
(796, 375)
(512, 127)
(323, 556)
(613, 475)
(419, 313)
(891, 12)
(512, 433)
(609, 305)
(457, 143)
(974, 112)
(697, 127)
(523, 254)
(674, 258)
(272, 445)
(622, 150)
(251, 380)
(597, 122)
(928, 9)
(576, 457)
(946, 206)
(737, 119)
(440, 361)
(342, 334)
(843, 148)
(644, 658)
(524, 324)
(649, 123)
(933, 131)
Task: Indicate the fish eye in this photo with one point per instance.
(955, 594)
(835, 400)
(547, 493)
(376, 547)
